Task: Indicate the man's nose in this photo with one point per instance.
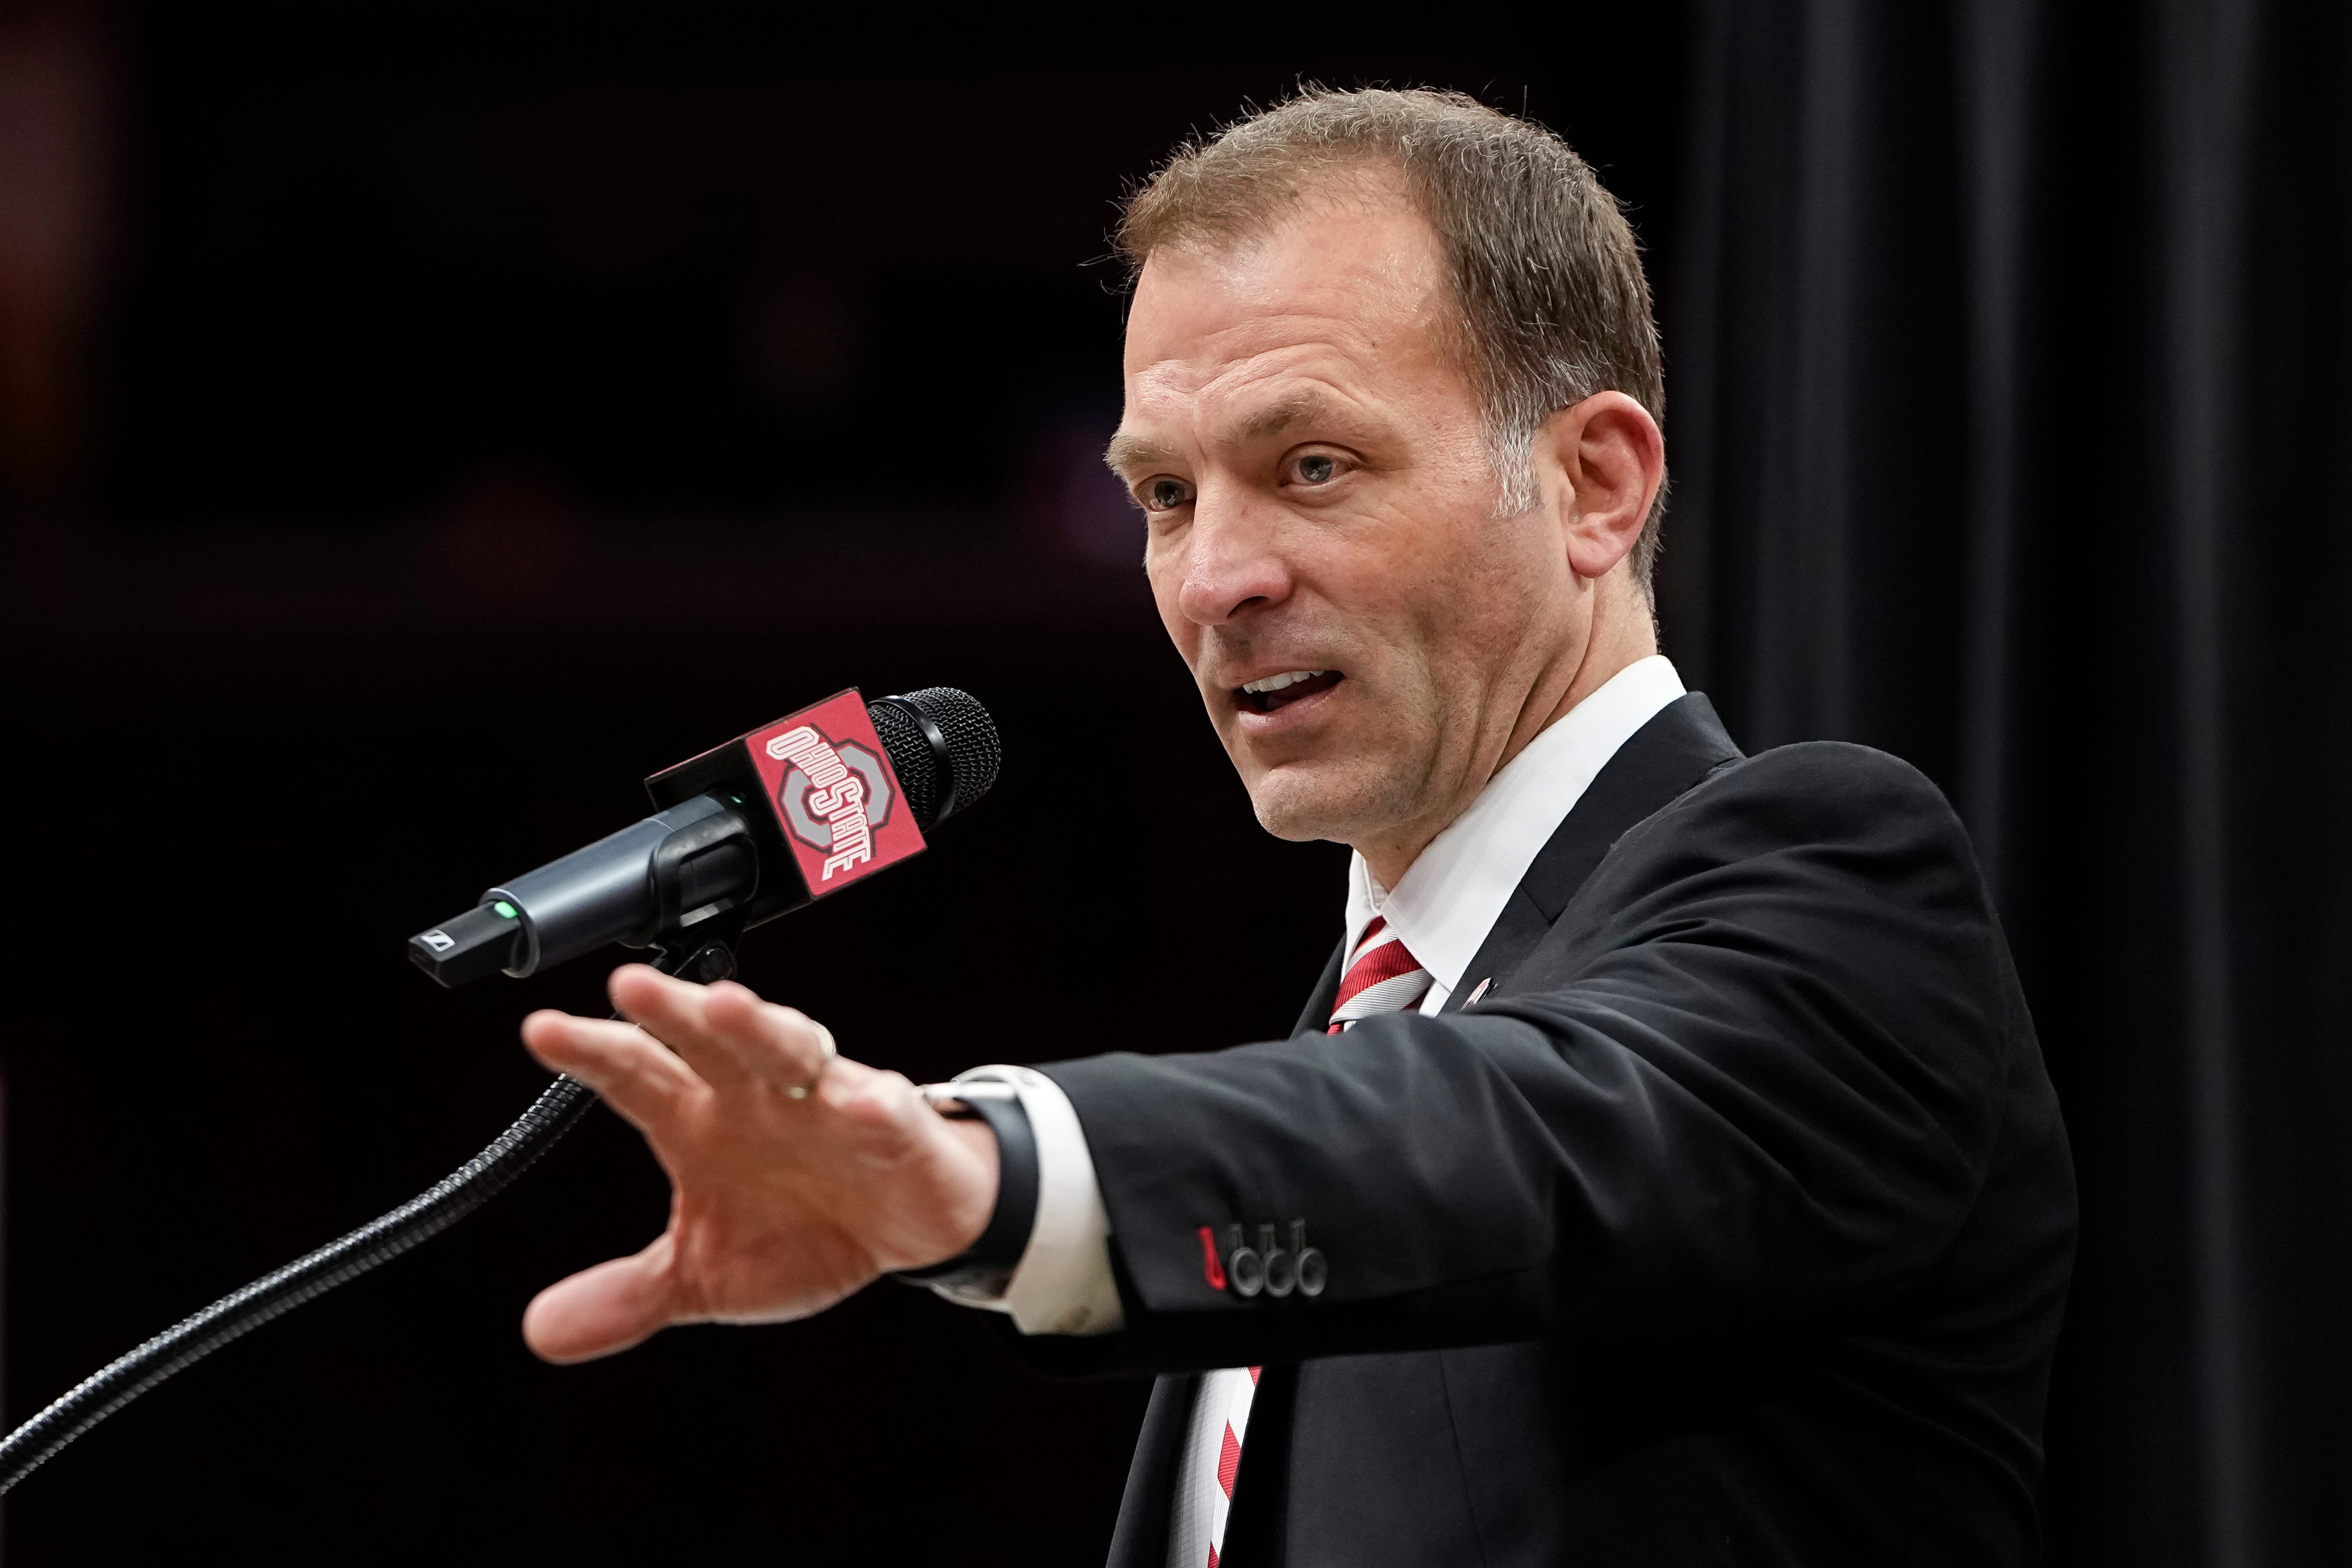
(1232, 564)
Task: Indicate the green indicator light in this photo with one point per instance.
(505, 908)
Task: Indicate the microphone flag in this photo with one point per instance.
(832, 797)
(828, 777)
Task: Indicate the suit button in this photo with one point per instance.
(1245, 1268)
(1313, 1272)
(1281, 1271)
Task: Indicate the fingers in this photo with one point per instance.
(603, 1309)
(686, 1037)
(672, 1011)
(782, 1046)
(725, 1032)
(636, 1076)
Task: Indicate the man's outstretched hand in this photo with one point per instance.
(778, 1206)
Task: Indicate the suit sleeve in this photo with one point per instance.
(1753, 1075)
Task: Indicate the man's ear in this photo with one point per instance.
(1609, 458)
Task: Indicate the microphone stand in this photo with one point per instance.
(703, 952)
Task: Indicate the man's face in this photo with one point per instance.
(1323, 544)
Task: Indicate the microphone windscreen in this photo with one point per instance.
(943, 746)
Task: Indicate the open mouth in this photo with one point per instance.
(1279, 691)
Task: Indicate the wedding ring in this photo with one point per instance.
(801, 1091)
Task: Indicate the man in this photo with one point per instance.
(1665, 1169)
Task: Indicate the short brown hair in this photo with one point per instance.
(1544, 266)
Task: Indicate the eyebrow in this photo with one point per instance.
(1296, 409)
(1128, 453)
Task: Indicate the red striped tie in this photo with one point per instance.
(1224, 1387)
(1229, 1463)
(1382, 977)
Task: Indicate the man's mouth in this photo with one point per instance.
(1277, 692)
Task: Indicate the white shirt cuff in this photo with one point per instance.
(1063, 1284)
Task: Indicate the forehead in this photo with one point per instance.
(1350, 290)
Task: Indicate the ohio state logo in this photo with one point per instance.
(833, 798)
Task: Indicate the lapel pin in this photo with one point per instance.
(1481, 991)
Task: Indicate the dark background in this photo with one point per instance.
(414, 432)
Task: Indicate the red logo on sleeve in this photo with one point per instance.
(1213, 1267)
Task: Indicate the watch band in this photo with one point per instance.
(986, 1266)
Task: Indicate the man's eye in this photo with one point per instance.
(1317, 468)
(1165, 495)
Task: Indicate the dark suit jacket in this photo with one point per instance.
(1731, 1225)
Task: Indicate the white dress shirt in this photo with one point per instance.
(1441, 910)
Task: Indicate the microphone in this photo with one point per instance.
(766, 824)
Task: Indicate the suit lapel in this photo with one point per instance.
(1254, 1528)
(1678, 747)
(1324, 997)
(1140, 1538)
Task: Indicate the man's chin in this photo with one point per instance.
(1304, 801)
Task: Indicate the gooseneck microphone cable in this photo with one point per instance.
(193, 1337)
(686, 881)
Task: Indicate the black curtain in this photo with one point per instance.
(2008, 343)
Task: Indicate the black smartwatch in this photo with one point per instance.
(985, 1268)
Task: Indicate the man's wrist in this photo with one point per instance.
(985, 1266)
